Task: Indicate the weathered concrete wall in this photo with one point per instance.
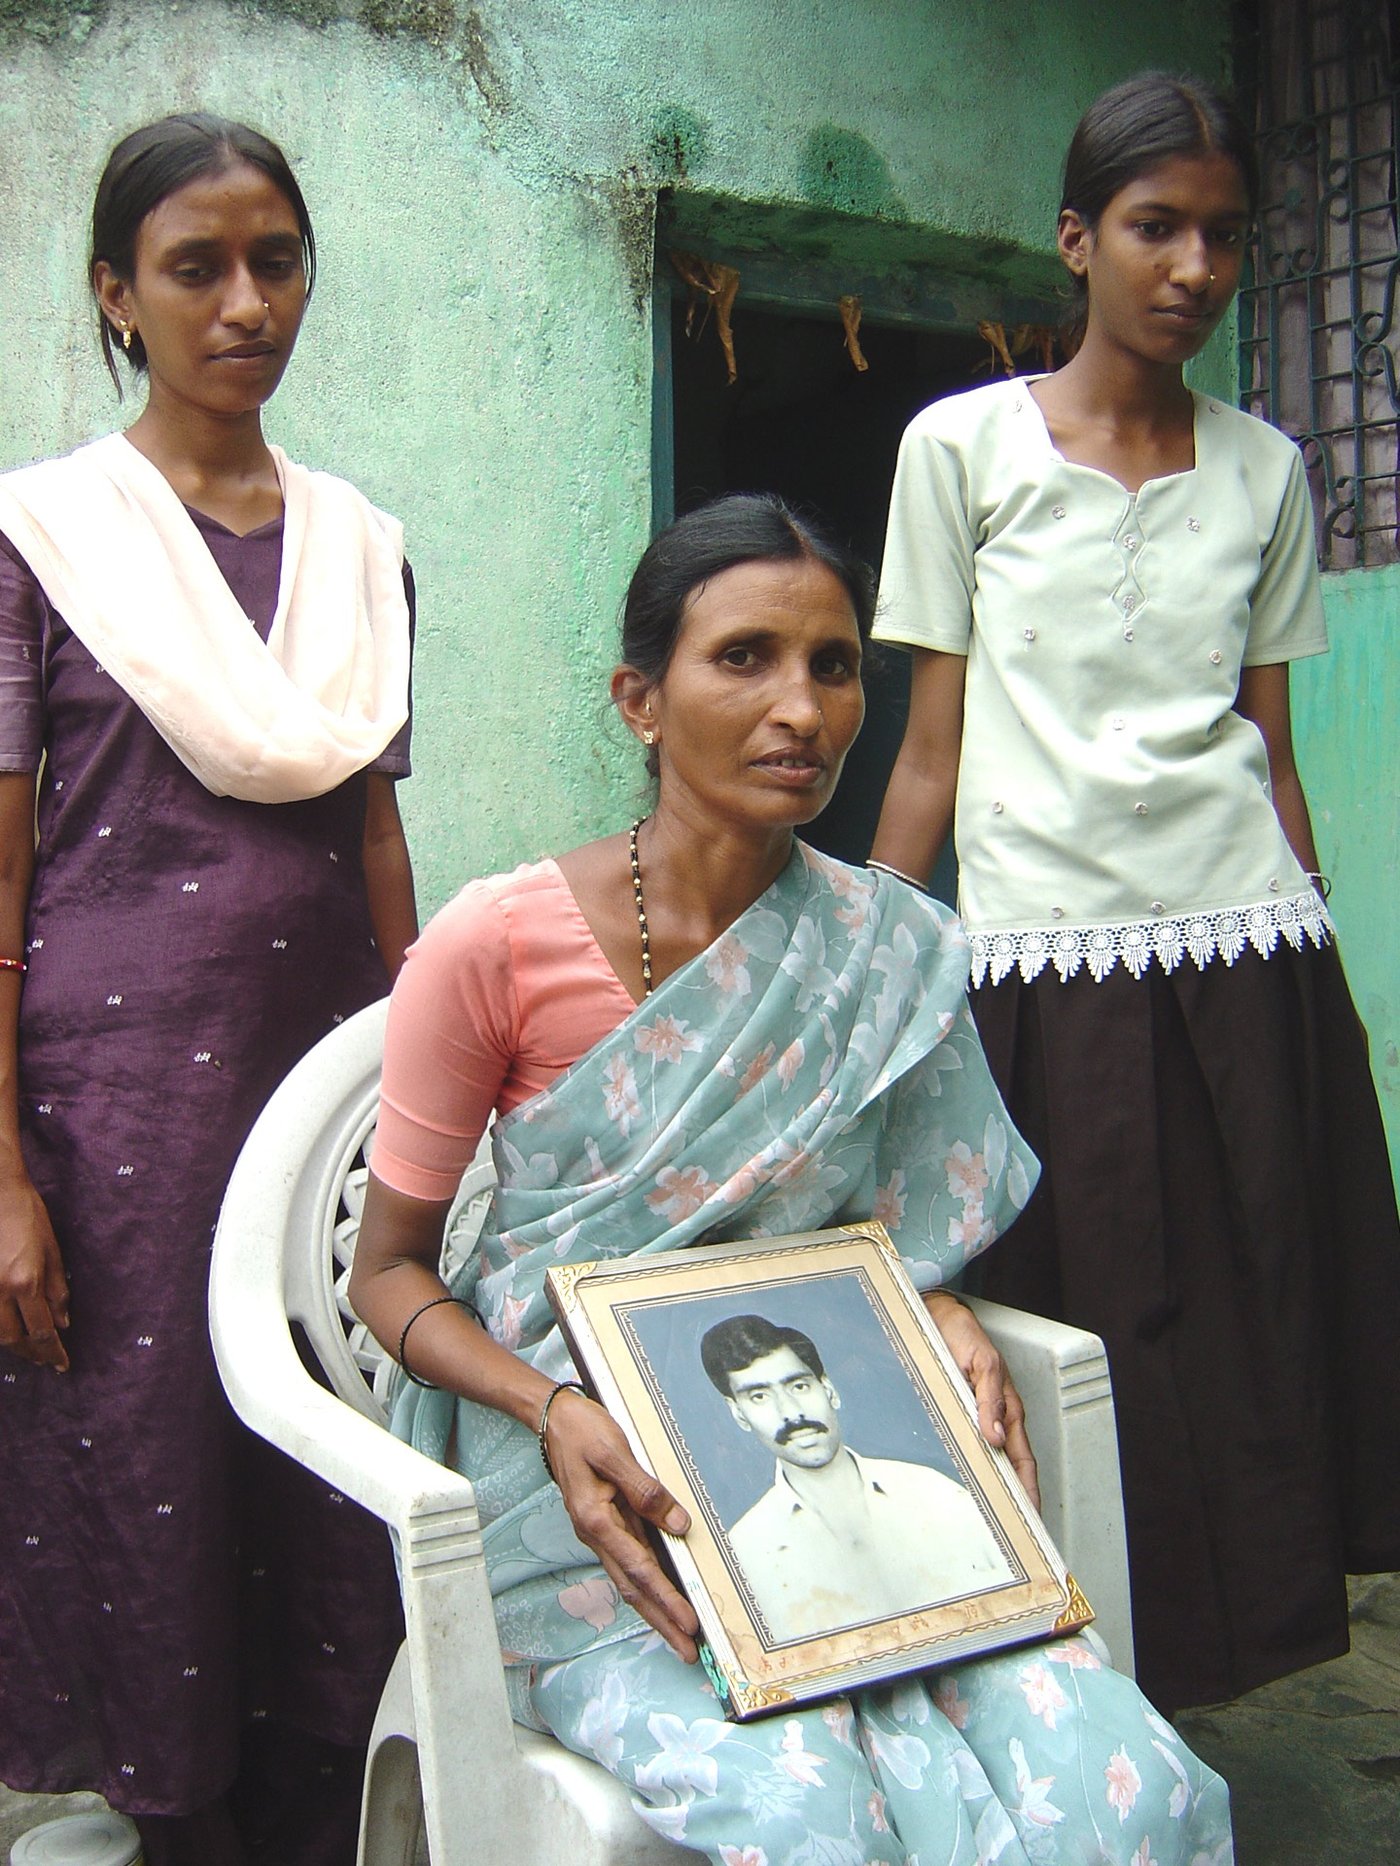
(478, 358)
(1346, 705)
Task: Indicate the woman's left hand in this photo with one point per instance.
(1000, 1413)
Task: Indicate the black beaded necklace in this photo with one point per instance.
(642, 927)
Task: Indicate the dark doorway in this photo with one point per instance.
(802, 421)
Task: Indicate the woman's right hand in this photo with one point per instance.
(33, 1285)
(609, 1497)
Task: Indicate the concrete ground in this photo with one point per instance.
(1313, 1762)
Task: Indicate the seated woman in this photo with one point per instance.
(704, 1030)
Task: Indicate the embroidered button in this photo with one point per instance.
(1159, 907)
(1130, 543)
(1129, 604)
(997, 808)
(1057, 913)
(1029, 633)
(1193, 524)
(1215, 657)
(1139, 809)
(1273, 884)
(1127, 634)
(1057, 511)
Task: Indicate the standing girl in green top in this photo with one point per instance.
(1103, 577)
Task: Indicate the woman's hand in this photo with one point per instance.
(609, 1496)
(33, 1286)
(1000, 1414)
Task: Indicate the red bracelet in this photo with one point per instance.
(13, 965)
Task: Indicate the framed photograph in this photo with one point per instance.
(848, 1520)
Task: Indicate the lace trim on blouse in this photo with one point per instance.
(1222, 933)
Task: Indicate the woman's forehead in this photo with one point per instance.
(774, 592)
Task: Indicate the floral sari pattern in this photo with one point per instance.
(817, 1063)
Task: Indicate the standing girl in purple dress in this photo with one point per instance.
(204, 664)
(1104, 577)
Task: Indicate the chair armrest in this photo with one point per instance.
(1062, 1375)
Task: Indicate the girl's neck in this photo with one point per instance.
(1119, 416)
(1103, 384)
(222, 468)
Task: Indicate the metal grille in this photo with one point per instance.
(1317, 309)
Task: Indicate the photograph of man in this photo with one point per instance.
(839, 1538)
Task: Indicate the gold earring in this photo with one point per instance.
(1212, 278)
(126, 336)
(648, 737)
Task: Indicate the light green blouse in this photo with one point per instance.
(1112, 806)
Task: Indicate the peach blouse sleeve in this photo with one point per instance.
(505, 988)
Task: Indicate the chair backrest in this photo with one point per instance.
(276, 1264)
(319, 1255)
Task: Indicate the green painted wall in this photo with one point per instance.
(1346, 705)
(478, 357)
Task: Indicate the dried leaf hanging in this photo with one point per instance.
(1007, 345)
(711, 284)
(849, 307)
(995, 335)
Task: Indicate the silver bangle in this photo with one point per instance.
(899, 875)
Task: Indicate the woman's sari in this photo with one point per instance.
(817, 1063)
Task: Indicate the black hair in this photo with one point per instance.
(1135, 126)
(147, 167)
(738, 528)
(732, 1345)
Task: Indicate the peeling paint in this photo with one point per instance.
(631, 203)
(679, 144)
(432, 20)
(49, 21)
(491, 86)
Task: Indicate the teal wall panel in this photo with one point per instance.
(1346, 708)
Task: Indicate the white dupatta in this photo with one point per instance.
(122, 561)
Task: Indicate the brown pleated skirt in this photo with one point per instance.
(1217, 1204)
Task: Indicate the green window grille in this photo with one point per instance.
(1318, 325)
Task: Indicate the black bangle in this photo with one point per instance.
(1323, 884)
(564, 1386)
(436, 1303)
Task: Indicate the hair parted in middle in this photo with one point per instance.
(149, 165)
(1131, 129)
(737, 528)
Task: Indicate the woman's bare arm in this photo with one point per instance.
(918, 810)
(393, 910)
(1263, 699)
(33, 1286)
(607, 1493)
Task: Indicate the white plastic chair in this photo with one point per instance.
(444, 1746)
